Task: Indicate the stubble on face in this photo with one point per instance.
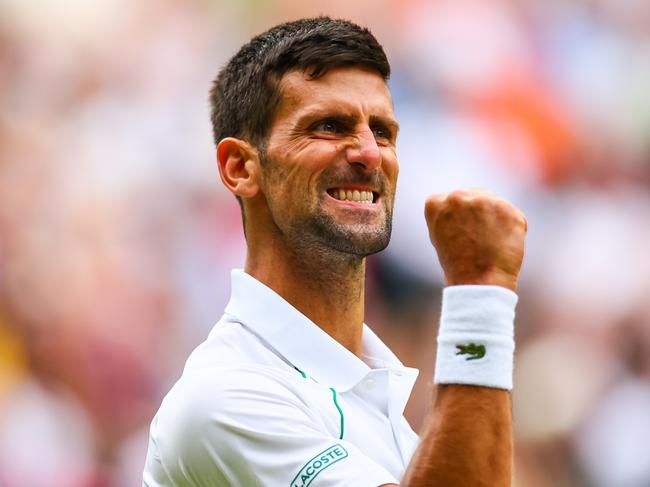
(316, 232)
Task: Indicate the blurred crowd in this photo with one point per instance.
(116, 236)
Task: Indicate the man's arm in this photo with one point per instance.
(467, 437)
(467, 440)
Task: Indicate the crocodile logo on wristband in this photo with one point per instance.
(474, 351)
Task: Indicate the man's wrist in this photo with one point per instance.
(492, 278)
(476, 336)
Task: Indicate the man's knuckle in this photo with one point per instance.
(457, 197)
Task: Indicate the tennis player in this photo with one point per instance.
(291, 388)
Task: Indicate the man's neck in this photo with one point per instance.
(328, 289)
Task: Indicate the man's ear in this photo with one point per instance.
(238, 163)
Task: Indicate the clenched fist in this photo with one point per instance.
(478, 236)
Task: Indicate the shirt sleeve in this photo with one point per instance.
(249, 428)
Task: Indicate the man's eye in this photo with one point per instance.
(381, 133)
(330, 126)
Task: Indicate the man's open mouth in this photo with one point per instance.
(356, 195)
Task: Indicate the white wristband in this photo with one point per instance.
(476, 337)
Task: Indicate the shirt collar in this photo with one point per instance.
(299, 340)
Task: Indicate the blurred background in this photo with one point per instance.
(116, 236)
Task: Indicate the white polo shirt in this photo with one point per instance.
(270, 399)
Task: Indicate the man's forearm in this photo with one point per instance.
(467, 440)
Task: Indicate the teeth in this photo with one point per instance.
(352, 195)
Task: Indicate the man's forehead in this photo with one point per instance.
(338, 86)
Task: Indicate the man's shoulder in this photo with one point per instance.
(210, 403)
(204, 390)
(232, 366)
(229, 344)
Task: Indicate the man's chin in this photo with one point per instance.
(323, 233)
(356, 241)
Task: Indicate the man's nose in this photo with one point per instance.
(364, 150)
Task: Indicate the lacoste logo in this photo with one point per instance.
(316, 465)
(474, 351)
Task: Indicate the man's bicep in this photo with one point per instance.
(252, 430)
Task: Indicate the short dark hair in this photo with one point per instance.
(245, 94)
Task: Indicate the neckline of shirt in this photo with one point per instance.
(299, 340)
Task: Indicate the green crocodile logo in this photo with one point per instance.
(475, 351)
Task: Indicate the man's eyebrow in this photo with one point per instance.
(329, 115)
(387, 122)
(308, 118)
(343, 118)
(348, 119)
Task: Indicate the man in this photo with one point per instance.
(291, 388)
